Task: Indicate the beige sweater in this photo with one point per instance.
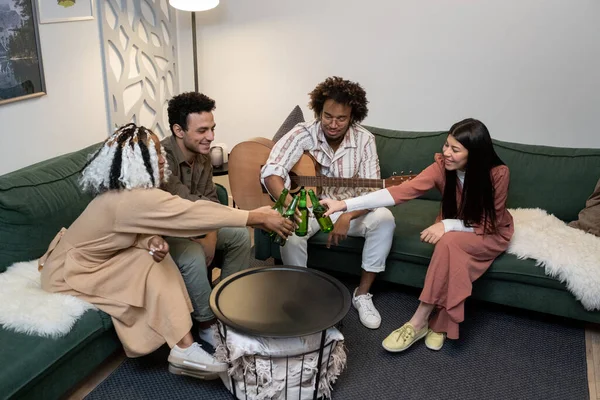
(104, 252)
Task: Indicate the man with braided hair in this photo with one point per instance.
(121, 264)
(193, 126)
(343, 149)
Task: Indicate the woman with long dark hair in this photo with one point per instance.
(472, 229)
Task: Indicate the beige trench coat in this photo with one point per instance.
(103, 258)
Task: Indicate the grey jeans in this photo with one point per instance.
(191, 261)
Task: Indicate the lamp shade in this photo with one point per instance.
(194, 5)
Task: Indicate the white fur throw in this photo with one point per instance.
(26, 308)
(567, 254)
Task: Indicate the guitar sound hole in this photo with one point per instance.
(294, 187)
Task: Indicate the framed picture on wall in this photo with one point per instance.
(21, 70)
(52, 11)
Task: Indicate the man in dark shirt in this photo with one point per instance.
(193, 126)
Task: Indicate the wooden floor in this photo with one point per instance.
(592, 345)
(592, 351)
(85, 387)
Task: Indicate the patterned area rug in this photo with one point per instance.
(502, 354)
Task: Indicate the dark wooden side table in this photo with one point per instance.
(281, 301)
(222, 170)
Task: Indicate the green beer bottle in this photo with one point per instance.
(279, 207)
(289, 214)
(318, 210)
(302, 229)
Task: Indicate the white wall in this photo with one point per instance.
(73, 113)
(530, 69)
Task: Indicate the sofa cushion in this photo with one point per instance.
(222, 194)
(414, 216)
(536, 171)
(42, 355)
(35, 202)
(402, 152)
(508, 267)
(411, 218)
(555, 179)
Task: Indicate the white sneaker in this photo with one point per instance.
(208, 335)
(194, 373)
(194, 357)
(369, 316)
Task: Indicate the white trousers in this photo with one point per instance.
(377, 227)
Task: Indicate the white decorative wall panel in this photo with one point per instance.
(139, 48)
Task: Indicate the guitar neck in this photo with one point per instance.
(323, 181)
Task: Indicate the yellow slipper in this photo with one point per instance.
(434, 340)
(403, 337)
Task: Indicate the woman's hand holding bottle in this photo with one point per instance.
(333, 206)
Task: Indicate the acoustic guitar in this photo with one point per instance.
(247, 159)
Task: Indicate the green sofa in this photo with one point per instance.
(35, 202)
(558, 180)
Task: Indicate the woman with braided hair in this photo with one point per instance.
(114, 257)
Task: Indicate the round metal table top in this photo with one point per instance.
(280, 301)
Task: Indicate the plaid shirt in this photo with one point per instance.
(355, 158)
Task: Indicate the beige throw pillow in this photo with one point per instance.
(589, 217)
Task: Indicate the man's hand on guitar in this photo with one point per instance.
(340, 230)
(333, 206)
(271, 221)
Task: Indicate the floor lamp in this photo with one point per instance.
(193, 6)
